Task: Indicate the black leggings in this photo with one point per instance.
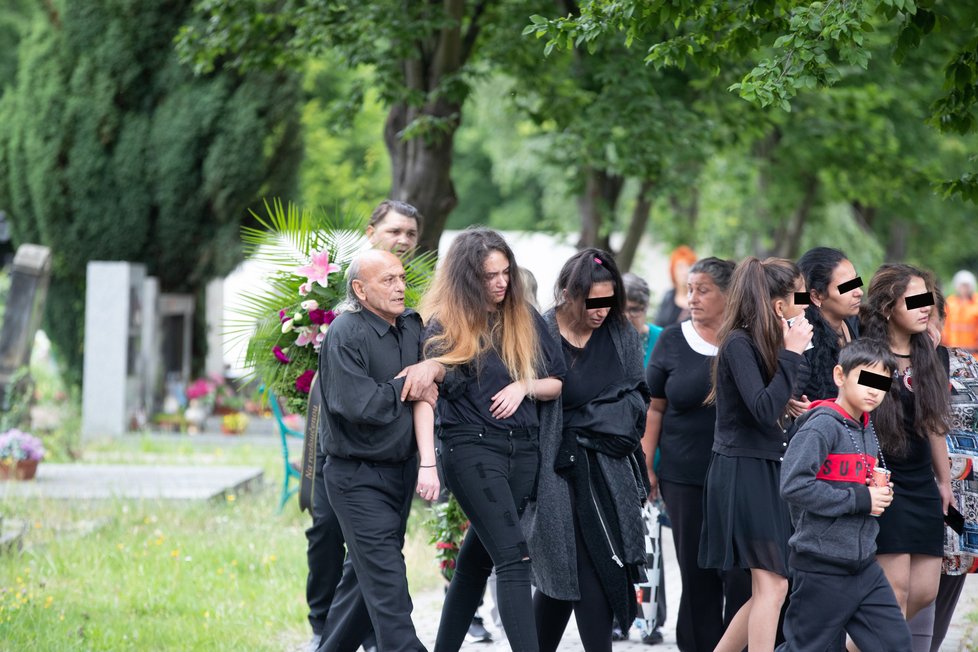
(592, 611)
(493, 477)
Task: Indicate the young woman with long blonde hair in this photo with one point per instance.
(499, 364)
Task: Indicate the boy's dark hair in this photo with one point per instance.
(866, 352)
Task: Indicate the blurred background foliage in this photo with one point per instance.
(145, 131)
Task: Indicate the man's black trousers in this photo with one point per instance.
(372, 503)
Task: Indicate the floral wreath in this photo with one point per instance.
(285, 324)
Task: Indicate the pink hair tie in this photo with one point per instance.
(598, 260)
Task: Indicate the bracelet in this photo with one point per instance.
(428, 466)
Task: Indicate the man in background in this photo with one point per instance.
(961, 327)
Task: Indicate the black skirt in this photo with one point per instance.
(914, 521)
(745, 520)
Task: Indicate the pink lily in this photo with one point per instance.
(319, 269)
(306, 336)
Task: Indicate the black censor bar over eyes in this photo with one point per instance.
(849, 286)
(920, 300)
(802, 299)
(876, 381)
(600, 302)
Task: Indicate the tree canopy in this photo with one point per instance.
(110, 149)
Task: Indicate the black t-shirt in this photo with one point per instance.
(589, 370)
(681, 375)
(473, 385)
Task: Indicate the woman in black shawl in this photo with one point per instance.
(585, 530)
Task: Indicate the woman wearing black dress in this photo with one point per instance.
(912, 423)
(680, 426)
(745, 521)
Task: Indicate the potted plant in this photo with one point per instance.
(228, 402)
(234, 423)
(20, 453)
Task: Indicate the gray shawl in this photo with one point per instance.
(548, 522)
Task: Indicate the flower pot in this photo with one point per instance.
(20, 470)
(234, 424)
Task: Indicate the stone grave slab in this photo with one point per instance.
(102, 481)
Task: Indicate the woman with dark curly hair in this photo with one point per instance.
(911, 422)
(680, 426)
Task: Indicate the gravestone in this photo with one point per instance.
(112, 381)
(29, 276)
(214, 318)
(150, 345)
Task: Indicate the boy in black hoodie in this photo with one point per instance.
(836, 583)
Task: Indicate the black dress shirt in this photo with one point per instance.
(358, 361)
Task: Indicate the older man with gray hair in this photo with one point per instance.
(370, 370)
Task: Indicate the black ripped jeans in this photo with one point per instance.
(493, 475)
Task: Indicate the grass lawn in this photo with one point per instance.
(168, 575)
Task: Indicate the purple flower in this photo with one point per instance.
(322, 316)
(283, 317)
(16, 445)
(280, 355)
(304, 382)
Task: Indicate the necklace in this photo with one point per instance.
(575, 340)
(905, 356)
(859, 451)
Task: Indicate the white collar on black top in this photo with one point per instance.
(697, 343)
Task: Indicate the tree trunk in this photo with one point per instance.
(864, 216)
(763, 149)
(896, 241)
(636, 226)
(789, 234)
(421, 166)
(686, 216)
(421, 172)
(597, 204)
